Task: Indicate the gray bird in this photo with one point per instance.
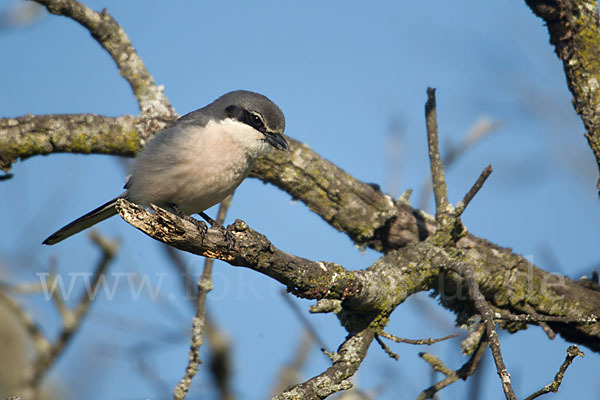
(199, 160)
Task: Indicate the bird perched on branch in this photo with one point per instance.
(199, 160)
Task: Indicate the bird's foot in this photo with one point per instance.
(200, 225)
(229, 237)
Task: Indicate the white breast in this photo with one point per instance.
(195, 167)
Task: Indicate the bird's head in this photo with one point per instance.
(255, 111)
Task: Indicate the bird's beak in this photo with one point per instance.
(277, 140)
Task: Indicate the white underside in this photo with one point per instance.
(195, 167)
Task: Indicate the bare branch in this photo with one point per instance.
(251, 250)
(368, 217)
(349, 357)
(384, 282)
(535, 318)
(439, 366)
(316, 280)
(356, 208)
(115, 41)
(542, 324)
(385, 348)
(438, 180)
(428, 341)
(194, 360)
(572, 352)
(460, 207)
(452, 376)
(27, 136)
(487, 316)
(482, 128)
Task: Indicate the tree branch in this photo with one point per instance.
(572, 352)
(452, 376)
(251, 250)
(31, 135)
(368, 216)
(438, 180)
(487, 316)
(461, 205)
(349, 357)
(428, 341)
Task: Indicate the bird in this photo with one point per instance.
(198, 161)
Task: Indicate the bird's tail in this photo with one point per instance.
(101, 213)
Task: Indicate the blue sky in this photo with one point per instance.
(344, 73)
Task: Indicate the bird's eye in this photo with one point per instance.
(256, 121)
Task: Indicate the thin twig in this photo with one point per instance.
(535, 318)
(345, 364)
(572, 352)
(450, 376)
(438, 365)
(482, 128)
(385, 348)
(428, 341)
(470, 366)
(486, 313)
(460, 207)
(542, 324)
(204, 286)
(438, 180)
(466, 370)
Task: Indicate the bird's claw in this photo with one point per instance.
(200, 225)
(229, 238)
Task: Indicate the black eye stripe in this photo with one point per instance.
(251, 118)
(255, 121)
